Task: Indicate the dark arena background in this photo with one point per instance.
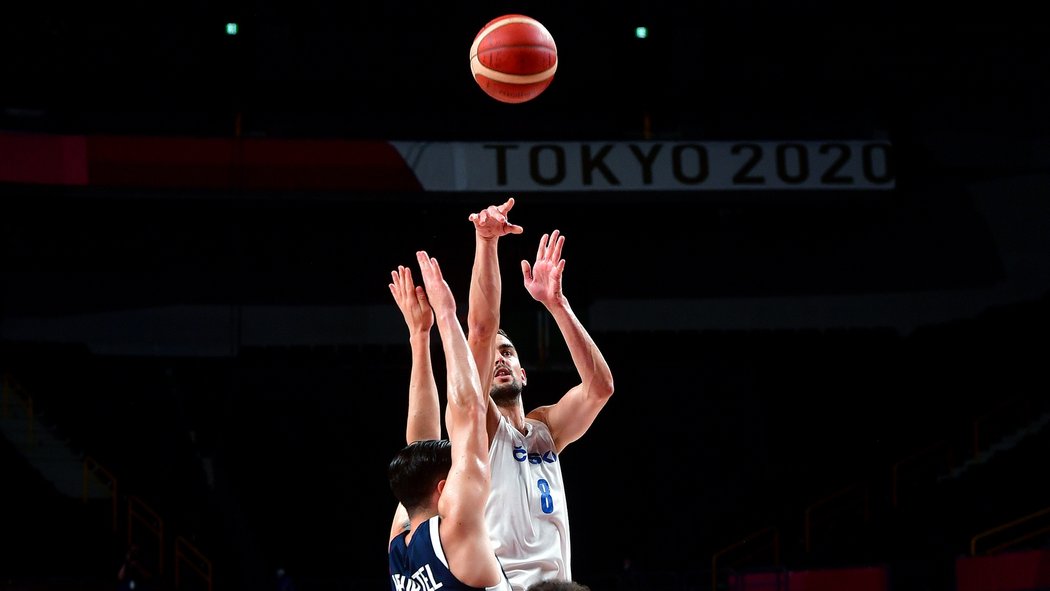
(811, 239)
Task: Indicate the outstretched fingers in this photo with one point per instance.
(507, 206)
(559, 242)
(401, 282)
(543, 277)
(550, 246)
(431, 271)
(427, 266)
(411, 300)
(541, 252)
(437, 290)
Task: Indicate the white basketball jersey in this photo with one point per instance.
(527, 516)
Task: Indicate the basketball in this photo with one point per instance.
(513, 58)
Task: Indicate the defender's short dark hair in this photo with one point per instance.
(416, 470)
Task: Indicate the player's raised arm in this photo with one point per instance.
(464, 534)
(572, 415)
(483, 312)
(424, 406)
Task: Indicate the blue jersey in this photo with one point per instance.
(422, 566)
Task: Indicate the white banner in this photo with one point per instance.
(650, 165)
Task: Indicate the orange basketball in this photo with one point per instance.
(513, 58)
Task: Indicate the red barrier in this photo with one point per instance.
(1011, 571)
(204, 163)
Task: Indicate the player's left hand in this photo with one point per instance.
(543, 278)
